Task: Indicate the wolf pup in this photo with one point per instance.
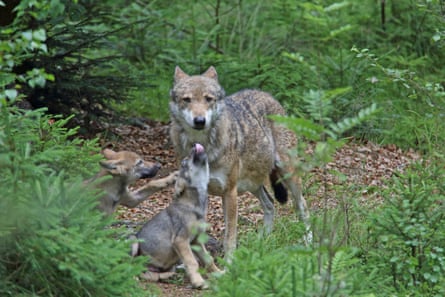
(167, 238)
(125, 168)
(243, 145)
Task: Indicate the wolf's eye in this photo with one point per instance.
(209, 98)
(187, 99)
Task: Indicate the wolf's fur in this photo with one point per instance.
(125, 168)
(168, 236)
(243, 145)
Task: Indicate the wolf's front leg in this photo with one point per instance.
(230, 207)
(183, 249)
(149, 189)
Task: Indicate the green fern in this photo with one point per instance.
(341, 127)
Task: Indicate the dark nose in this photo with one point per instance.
(148, 172)
(199, 122)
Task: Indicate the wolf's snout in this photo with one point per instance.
(149, 172)
(199, 122)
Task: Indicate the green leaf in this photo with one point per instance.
(11, 94)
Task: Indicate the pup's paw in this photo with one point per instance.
(172, 177)
(156, 276)
(150, 276)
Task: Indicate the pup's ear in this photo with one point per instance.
(211, 73)
(109, 154)
(108, 164)
(179, 74)
(179, 186)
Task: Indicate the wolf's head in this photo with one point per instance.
(194, 171)
(195, 100)
(129, 166)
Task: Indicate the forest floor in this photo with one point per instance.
(364, 165)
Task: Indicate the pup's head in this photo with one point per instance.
(128, 165)
(195, 100)
(194, 171)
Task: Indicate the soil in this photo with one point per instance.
(364, 165)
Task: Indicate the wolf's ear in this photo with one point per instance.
(109, 154)
(179, 74)
(211, 73)
(108, 165)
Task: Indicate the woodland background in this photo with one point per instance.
(348, 73)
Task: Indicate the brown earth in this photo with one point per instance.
(364, 165)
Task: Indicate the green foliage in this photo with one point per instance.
(33, 142)
(272, 45)
(275, 266)
(411, 112)
(53, 242)
(339, 68)
(57, 55)
(321, 129)
(408, 231)
(79, 56)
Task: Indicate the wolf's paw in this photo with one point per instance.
(156, 276)
(173, 177)
(198, 282)
(201, 286)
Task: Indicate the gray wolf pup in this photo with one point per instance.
(169, 235)
(243, 145)
(125, 168)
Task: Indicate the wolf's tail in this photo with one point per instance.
(134, 246)
(279, 190)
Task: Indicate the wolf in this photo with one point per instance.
(244, 146)
(126, 167)
(168, 237)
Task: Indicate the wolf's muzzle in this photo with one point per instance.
(148, 172)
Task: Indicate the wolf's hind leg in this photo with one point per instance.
(294, 184)
(268, 208)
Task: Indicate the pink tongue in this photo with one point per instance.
(199, 148)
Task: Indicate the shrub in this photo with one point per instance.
(53, 242)
(408, 231)
(278, 265)
(60, 56)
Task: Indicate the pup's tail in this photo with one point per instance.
(279, 190)
(134, 246)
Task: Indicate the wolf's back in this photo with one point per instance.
(254, 102)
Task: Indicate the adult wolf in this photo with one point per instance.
(244, 146)
(125, 168)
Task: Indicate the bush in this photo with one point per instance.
(278, 265)
(60, 56)
(53, 242)
(408, 231)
